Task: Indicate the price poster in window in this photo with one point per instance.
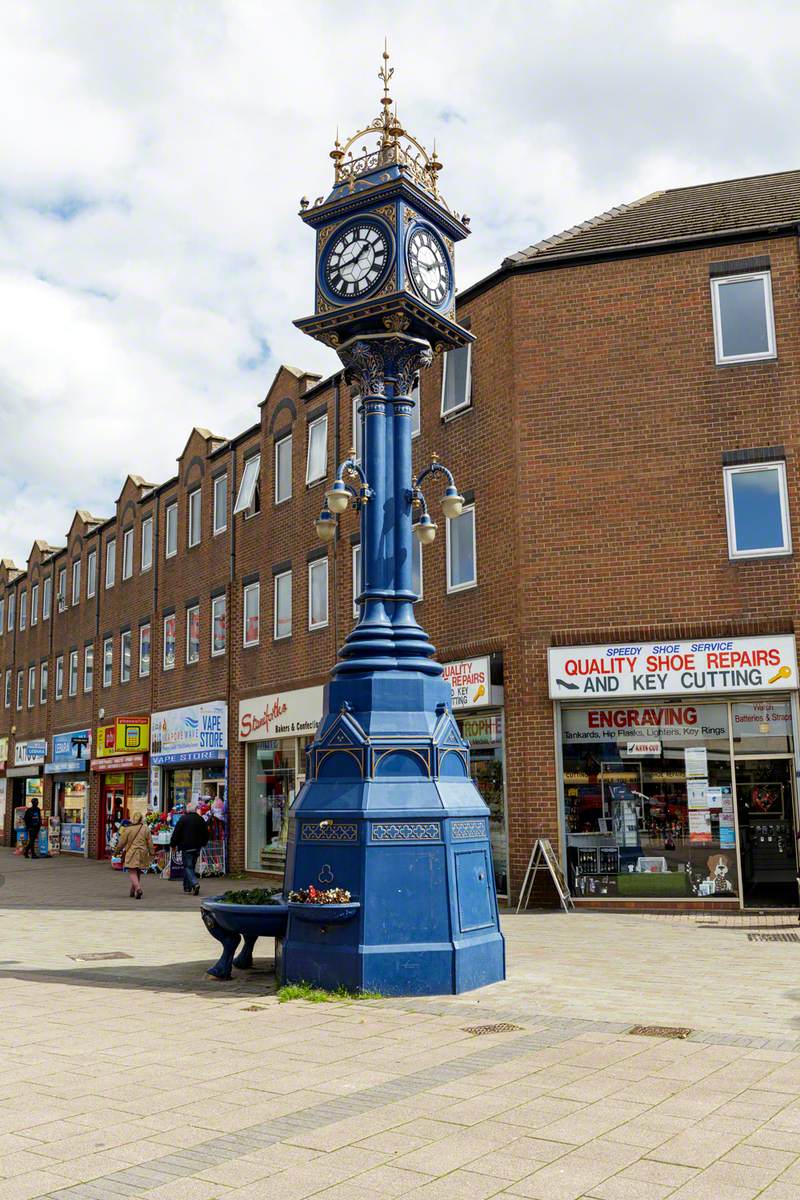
(696, 760)
(699, 811)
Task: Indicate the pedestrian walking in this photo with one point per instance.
(135, 845)
(189, 836)
(33, 823)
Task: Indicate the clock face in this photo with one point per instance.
(357, 259)
(428, 266)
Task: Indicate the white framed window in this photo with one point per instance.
(111, 562)
(72, 683)
(358, 427)
(2, 615)
(251, 613)
(416, 566)
(220, 503)
(62, 589)
(47, 597)
(248, 498)
(757, 510)
(43, 673)
(144, 650)
(35, 604)
(317, 453)
(59, 676)
(125, 656)
(170, 637)
(91, 573)
(171, 530)
(76, 581)
(283, 605)
(462, 570)
(318, 593)
(744, 325)
(23, 609)
(283, 470)
(12, 598)
(194, 517)
(457, 380)
(416, 414)
(356, 580)
(193, 634)
(88, 668)
(108, 661)
(127, 553)
(219, 626)
(7, 689)
(20, 689)
(147, 544)
(31, 686)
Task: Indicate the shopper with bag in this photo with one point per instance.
(189, 836)
(135, 845)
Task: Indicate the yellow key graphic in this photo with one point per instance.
(783, 673)
(480, 692)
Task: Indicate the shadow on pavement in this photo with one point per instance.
(171, 977)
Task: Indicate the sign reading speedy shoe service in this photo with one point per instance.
(699, 666)
(196, 733)
(284, 714)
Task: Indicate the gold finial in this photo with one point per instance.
(434, 457)
(337, 154)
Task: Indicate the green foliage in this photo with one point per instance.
(318, 995)
(252, 896)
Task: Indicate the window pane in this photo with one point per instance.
(125, 656)
(743, 316)
(757, 509)
(31, 686)
(247, 488)
(34, 604)
(147, 543)
(23, 609)
(194, 518)
(358, 428)
(169, 642)
(111, 562)
(127, 554)
(192, 635)
(73, 672)
(283, 470)
(461, 549)
(43, 673)
(59, 677)
(416, 415)
(283, 605)
(88, 668)
(144, 650)
(108, 661)
(456, 379)
(47, 592)
(171, 540)
(317, 450)
(220, 503)
(318, 593)
(91, 573)
(252, 599)
(76, 581)
(218, 625)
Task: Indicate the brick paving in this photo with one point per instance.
(144, 1077)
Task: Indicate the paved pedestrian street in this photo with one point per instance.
(142, 1076)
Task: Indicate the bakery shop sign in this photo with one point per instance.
(698, 666)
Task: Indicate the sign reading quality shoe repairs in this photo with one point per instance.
(673, 668)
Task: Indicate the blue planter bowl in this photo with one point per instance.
(324, 914)
(229, 923)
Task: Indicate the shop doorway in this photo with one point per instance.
(112, 811)
(767, 832)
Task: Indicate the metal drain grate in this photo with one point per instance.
(659, 1031)
(99, 957)
(503, 1027)
(773, 937)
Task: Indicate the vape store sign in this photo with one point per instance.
(694, 667)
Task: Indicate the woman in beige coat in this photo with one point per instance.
(136, 847)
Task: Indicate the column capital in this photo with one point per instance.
(372, 361)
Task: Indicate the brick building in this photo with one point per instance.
(624, 433)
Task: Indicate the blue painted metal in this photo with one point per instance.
(388, 810)
(232, 923)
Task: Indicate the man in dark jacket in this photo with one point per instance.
(189, 836)
(33, 823)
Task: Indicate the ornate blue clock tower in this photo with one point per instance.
(389, 811)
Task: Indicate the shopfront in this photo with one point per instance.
(276, 730)
(68, 788)
(477, 689)
(25, 784)
(3, 765)
(677, 768)
(121, 761)
(189, 761)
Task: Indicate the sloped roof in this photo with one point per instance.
(678, 214)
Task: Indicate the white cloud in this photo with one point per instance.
(178, 139)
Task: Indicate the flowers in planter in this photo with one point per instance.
(312, 895)
(252, 896)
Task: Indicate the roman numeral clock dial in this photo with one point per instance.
(357, 260)
(428, 266)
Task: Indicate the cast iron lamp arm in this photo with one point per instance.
(452, 501)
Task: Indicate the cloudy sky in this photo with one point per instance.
(153, 153)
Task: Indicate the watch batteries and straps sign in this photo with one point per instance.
(699, 666)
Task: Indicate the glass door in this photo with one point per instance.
(767, 832)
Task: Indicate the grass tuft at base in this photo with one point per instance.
(318, 995)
